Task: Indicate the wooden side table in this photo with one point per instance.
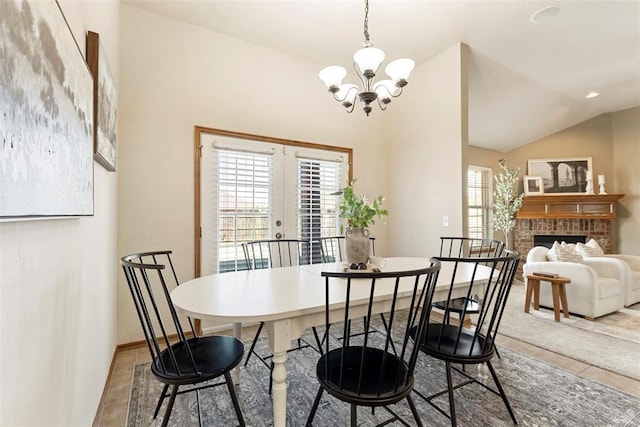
(557, 289)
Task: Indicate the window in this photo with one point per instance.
(479, 202)
(255, 189)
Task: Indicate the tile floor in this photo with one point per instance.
(113, 408)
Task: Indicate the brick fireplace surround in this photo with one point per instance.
(565, 215)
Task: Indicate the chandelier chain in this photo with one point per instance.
(366, 20)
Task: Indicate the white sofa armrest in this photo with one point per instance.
(577, 272)
(632, 260)
(608, 267)
(537, 254)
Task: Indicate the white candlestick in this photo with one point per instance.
(589, 188)
(590, 175)
(601, 184)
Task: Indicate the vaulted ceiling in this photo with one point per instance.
(527, 79)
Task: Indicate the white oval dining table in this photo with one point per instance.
(292, 299)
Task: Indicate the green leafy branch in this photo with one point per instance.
(358, 211)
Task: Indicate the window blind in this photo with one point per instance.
(479, 201)
(317, 205)
(243, 195)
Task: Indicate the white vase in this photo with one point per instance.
(357, 245)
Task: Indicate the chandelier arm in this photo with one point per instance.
(350, 109)
(346, 95)
(399, 93)
(365, 79)
(382, 105)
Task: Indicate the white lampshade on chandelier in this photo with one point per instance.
(366, 62)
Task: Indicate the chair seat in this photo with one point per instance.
(214, 356)
(452, 344)
(363, 386)
(459, 305)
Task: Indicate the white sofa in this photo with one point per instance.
(596, 286)
(631, 266)
(629, 263)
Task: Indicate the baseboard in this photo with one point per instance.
(105, 388)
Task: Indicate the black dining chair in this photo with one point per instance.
(469, 247)
(261, 254)
(457, 344)
(466, 247)
(332, 250)
(364, 371)
(183, 359)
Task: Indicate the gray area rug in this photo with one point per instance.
(540, 394)
(610, 342)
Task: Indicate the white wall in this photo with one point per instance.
(426, 142)
(626, 178)
(175, 76)
(57, 288)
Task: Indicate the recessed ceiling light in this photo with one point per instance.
(592, 94)
(545, 14)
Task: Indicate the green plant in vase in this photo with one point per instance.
(359, 214)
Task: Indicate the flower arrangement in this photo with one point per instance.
(506, 201)
(358, 211)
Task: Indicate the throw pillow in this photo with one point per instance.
(593, 244)
(589, 250)
(563, 254)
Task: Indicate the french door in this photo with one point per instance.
(263, 188)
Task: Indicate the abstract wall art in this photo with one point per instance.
(105, 104)
(46, 114)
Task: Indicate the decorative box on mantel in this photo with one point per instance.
(580, 216)
(581, 206)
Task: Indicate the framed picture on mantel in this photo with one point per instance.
(533, 186)
(561, 176)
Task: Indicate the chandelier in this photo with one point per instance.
(366, 62)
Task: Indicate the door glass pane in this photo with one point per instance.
(244, 198)
(317, 206)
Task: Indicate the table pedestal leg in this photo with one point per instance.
(279, 390)
(279, 342)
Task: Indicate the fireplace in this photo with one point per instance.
(573, 218)
(547, 240)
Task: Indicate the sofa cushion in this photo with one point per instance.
(609, 287)
(591, 248)
(563, 254)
